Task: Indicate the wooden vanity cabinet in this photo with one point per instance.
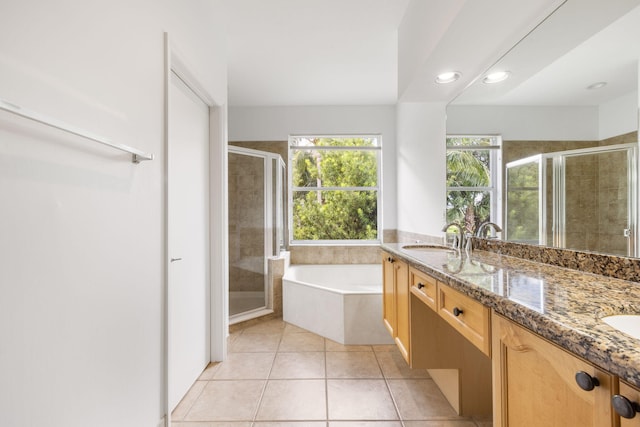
(536, 382)
(458, 366)
(632, 403)
(396, 301)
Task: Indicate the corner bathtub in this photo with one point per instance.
(339, 302)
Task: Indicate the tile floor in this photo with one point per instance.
(278, 375)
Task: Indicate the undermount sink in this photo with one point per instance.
(423, 247)
(627, 323)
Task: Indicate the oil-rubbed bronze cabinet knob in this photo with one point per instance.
(457, 311)
(420, 285)
(586, 381)
(624, 407)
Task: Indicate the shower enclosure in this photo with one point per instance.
(580, 199)
(256, 182)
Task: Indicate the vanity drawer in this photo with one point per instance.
(424, 287)
(467, 316)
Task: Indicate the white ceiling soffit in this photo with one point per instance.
(583, 42)
(475, 36)
(313, 52)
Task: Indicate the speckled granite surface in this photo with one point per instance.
(591, 262)
(563, 305)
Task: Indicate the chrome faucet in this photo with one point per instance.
(482, 230)
(458, 242)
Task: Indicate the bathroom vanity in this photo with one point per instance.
(519, 340)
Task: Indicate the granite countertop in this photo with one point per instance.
(563, 305)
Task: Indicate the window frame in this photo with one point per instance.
(378, 188)
(495, 169)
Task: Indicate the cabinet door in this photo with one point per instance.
(402, 308)
(633, 395)
(535, 383)
(388, 293)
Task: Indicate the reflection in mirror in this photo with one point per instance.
(575, 195)
(577, 199)
(524, 201)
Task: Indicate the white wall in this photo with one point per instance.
(277, 123)
(618, 116)
(525, 123)
(81, 253)
(586, 123)
(421, 166)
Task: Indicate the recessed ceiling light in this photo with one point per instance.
(448, 77)
(597, 85)
(496, 77)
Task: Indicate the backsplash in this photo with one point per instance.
(589, 262)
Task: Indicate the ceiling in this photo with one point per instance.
(313, 52)
(346, 52)
(582, 43)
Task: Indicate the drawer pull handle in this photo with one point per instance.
(586, 381)
(391, 260)
(624, 407)
(420, 285)
(457, 312)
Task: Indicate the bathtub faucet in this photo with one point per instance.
(458, 239)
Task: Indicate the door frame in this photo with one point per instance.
(218, 230)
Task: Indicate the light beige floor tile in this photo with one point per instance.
(420, 399)
(393, 365)
(247, 343)
(293, 329)
(299, 365)
(352, 365)
(244, 366)
(208, 372)
(274, 326)
(336, 346)
(212, 424)
(232, 337)
(439, 424)
(187, 401)
(227, 401)
(290, 424)
(304, 341)
(360, 400)
(293, 400)
(383, 348)
(365, 424)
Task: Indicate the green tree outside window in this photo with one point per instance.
(335, 188)
(470, 187)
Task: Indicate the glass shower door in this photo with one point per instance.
(596, 201)
(579, 199)
(525, 214)
(247, 274)
(257, 197)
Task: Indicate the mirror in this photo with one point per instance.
(572, 90)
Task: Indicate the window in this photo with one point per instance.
(335, 193)
(473, 180)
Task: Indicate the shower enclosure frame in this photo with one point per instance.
(558, 165)
(274, 173)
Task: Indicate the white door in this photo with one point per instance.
(188, 239)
